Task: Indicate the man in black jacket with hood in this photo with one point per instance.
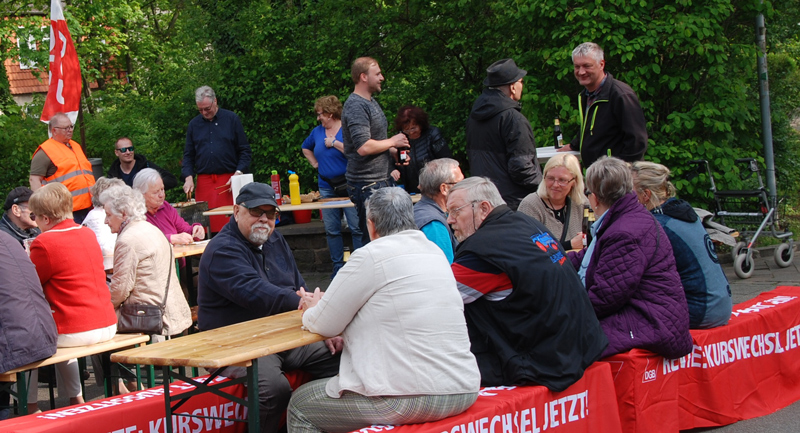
(500, 143)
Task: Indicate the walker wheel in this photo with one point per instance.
(784, 255)
(743, 266)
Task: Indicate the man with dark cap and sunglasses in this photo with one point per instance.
(17, 219)
(500, 143)
(247, 272)
(128, 164)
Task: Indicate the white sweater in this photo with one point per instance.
(396, 304)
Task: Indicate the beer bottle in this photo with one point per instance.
(585, 226)
(591, 222)
(557, 136)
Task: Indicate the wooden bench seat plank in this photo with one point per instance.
(120, 341)
(229, 345)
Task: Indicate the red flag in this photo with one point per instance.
(64, 94)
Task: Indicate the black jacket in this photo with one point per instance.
(545, 331)
(500, 146)
(27, 330)
(140, 162)
(615, 122)
(431, 145)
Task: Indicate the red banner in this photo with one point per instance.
(64, 92)
(139, 412)
(587, 406)
(747, 369)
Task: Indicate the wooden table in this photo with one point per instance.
(316, 205)
(120, 341)
(193, 249)
(240, 344)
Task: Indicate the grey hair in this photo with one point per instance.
(52, 122)
(124, 201)
(391, 211)
(434, 174)
(145, 179)
(570, 162)
(654, 177)
(609, 179)
(588, 49)
(101, 185)
(203, 93)
(480, 189)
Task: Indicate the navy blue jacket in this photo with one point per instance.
(217, 146)
(239, 281)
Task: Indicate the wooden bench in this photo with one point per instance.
(120, 341)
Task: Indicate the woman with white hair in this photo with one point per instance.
(161, 214)
(143, 260)
(559, 201)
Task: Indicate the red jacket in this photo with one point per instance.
(70, 267)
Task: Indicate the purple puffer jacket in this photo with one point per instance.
(634, 285)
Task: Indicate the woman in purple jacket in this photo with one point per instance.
(629, 270)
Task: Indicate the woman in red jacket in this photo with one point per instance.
(70, 267)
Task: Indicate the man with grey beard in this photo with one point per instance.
(247, 272)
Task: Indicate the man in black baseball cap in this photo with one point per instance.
(247, 272)
(500, 143)
(17, 219)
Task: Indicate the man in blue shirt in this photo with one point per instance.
(435, 181)
(247, 272)
(216, 149)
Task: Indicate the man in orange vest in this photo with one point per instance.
(62, 160)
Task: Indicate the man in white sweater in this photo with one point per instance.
(397, 307)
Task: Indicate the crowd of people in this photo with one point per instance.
(487, 281)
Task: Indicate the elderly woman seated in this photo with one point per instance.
(435, 181)
(397, 307)
(161, 214)
(559, 201)
(143, 262)
(95, 220)
(629, 270)
(70, 267)
(707, 290)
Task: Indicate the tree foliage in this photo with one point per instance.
(693, 65)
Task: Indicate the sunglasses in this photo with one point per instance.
(257, 212)
(125, 149)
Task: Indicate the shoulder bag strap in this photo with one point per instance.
(169, 275)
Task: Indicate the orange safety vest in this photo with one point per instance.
(72, 169)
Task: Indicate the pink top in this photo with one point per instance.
(169, 221)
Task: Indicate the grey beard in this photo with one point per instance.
(259, 238)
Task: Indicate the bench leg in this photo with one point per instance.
(22, 393)
(168, 406)
(252, 398)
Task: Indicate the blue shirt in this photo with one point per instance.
(217, 146)
(437, 233)
(331, 161)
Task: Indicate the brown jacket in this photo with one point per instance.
(142, 259)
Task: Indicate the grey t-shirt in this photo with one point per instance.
(364, 120)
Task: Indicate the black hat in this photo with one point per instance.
(503, 72)
(256, 194)
(20, 194)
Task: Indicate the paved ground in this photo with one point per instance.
(766, 277)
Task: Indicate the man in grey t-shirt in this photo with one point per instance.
(368, 150)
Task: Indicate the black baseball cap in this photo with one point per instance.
(256, 194)
(20, 194)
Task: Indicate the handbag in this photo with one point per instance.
(338, 184)
(144, 318)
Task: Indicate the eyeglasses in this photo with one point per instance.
(560, 182)
(125, 149)
(206, 109)
(65, 128)
(457, 210)
(256, 212)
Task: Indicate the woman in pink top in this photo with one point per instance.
(161, 214)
